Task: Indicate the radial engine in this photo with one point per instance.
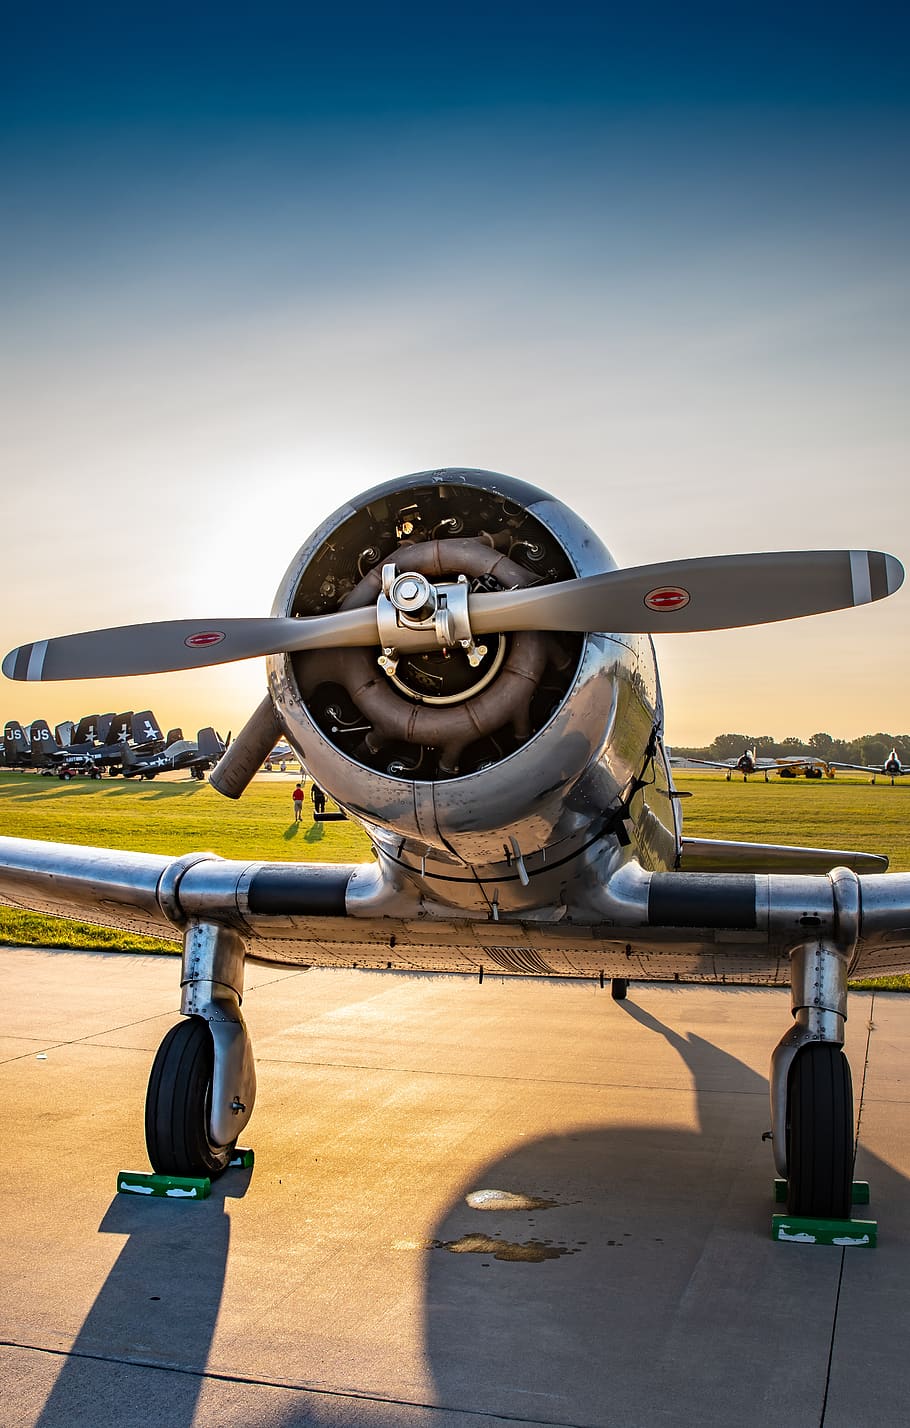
(507, 747)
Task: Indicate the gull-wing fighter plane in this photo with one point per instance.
(461, 666)
(750, 763)
(196, 755)
(892, 768)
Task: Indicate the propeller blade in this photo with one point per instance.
(184, 644)
(708, 593)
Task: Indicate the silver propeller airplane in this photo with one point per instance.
(750, 763)
(461, 666)
(892, 768)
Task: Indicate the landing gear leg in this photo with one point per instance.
(203, 1082)
(811, 1088)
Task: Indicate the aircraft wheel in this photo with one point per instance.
(820, 1133)
(619, 987)
(177, 1104)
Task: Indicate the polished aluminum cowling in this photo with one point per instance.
(540, 800)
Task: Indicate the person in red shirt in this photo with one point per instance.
(297, 796)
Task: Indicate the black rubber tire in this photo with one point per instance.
(619, 987)
(177, 1104)
(820, 1133)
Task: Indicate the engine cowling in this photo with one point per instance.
(465, 755)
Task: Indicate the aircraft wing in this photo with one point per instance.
(155, 895)
(704, 763)
(714, 855)
(794, 761)
(101, 885)
(857, 768)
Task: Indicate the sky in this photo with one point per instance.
(256, 260)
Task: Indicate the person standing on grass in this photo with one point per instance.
(297, 796)
(318, 797)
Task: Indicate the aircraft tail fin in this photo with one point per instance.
(63, 733)
(41, 743)
(15, 743)
(145, 728)
(210, 745)
(173, 737)
(86, 730)
(121, 725)
(102, 728)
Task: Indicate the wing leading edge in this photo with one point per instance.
(141, 892)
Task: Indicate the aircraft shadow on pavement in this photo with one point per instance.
(667, 1278)
(158, 1306)
(633, 1287)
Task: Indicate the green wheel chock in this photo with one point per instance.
(244, 1159)
(859, 1195)
(796, 1230)
(165, 1187)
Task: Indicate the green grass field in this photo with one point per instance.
(179, 815)
(845, 812)
(170, 815)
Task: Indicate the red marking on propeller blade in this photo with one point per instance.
(204, 638)
(667, 597)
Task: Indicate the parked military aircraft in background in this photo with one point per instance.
(95, 744)
(42, 746)
(16, 749)
(197, 755)
(891, 768)
(280, 757)
(749, 763)
(465, 671)
(90, 751)
(93, 758)
(63, 733)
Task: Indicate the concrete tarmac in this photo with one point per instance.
(363, 1273)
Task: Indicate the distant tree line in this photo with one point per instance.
(867, 749)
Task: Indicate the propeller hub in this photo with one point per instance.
(412, 595)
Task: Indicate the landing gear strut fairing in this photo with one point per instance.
(459, 663)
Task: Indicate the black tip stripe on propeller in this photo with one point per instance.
(708, 593)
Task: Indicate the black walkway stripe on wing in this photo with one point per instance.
(293, 891)
(702, 900)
